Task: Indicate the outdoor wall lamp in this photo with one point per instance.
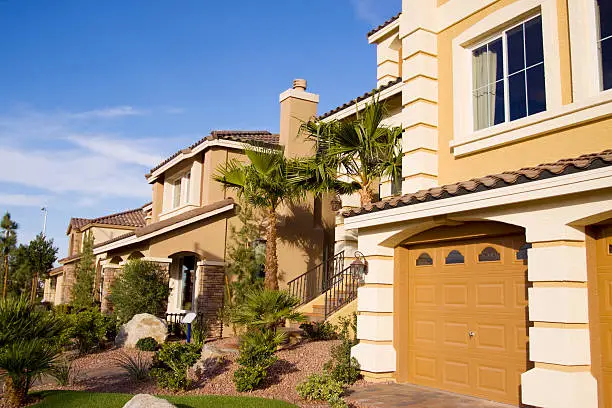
(359, 267)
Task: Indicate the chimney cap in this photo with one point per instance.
(299, 84)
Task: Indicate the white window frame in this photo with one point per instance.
(486, 30)
(184, 187)
(599, 41)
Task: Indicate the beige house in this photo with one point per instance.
(186, 226)
(489, 274)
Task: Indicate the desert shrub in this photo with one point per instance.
(256, 356)
(322, 387)
(342, 367)
(88, 328)
(65, 372)
(147, 344)
(142, 287)
(170, 365)
(199, 332)
(319, 331)
(137, 367)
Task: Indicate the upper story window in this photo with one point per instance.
(180, 190)
(508, 75)
(604, 11)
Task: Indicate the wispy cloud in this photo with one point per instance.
(365, 10)
(117, 149)
(23, 200)
(109, 113)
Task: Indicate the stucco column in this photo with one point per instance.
(210, 279)
(345, 240)
(419, 95)
(375, 351)
(559, 343)
(59, 290)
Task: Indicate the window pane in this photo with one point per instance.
(536, 90)
(516, 89)
(496, 60)
(605, 18)
(516, 60)
(533, 41)
(481, 108)
(479, 67)
(606, 63)
(176, 192)
(499, 112)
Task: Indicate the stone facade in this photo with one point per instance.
(210, 298)
(109, 276)
(69, 281)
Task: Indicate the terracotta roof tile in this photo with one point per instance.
(505, 179)
(129, 218)
(360, 98)
(383, 25)
(245, 136)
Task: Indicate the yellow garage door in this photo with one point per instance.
(468, 316)
(604, 289)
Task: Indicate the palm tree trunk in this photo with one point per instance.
(271, 279)
(14, 393)
(366, 195)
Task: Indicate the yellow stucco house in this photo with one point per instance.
(490, 274)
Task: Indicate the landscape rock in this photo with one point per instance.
(141, 326)
(147, 401)
(210, 359)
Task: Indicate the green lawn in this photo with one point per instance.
(77, 399)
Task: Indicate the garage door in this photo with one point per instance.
(604, 289)
(468, 316)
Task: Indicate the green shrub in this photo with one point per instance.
(319, 331)
(147, 344)
(88, 328)
(322, 387)
(342, 367)
(142, 287)
(137, 367)
(199, 332)
(266, 309)
(256, 356)
(170, 365)
(65, 372)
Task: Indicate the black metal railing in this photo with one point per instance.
(314, 282)
(341, 290)
(175, 325)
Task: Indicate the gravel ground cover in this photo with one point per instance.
(98, 373)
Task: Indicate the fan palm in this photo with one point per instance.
(28, 345)
(263, 183)
(267, 310)
(352, 155)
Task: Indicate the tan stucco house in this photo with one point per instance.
(186, 227)
(490, 273)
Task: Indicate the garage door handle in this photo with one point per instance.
(471, 333)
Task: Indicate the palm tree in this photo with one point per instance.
(266, 310)
(352, 155)
(29, 345)
(263, 183)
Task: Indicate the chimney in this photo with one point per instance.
(296, 107)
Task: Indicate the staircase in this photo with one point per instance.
(326, 288)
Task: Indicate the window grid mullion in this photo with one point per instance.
(506, 77)
(525, 65)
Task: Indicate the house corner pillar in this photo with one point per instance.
(210, 279)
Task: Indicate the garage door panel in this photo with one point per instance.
(485, 295)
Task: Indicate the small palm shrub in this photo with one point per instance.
(322, 387)
(342, 367)
(256, 356)
(65, 372)
(137, 367)
(171, 363)
(147, 344)
(266, 309)
(319, 331)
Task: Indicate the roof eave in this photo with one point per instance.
(384, 32)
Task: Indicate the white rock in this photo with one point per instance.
(141, 326)
(147, 401)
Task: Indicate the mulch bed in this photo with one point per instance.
(98, 373)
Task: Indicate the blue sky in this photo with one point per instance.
(94, 93)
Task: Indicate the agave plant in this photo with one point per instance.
(29, 346)
(267, 310)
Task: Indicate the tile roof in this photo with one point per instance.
(245, 136)
(360, 98)
(130, 218)
(56, 271)
(505, 179)
(383, 25)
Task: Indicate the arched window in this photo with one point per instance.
(454, 257)
(489, 254)
(522, 253)
(424, 259)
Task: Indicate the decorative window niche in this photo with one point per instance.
(424, 260)
(489, 254)
(454, 257)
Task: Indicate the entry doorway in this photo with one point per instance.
(186, 277)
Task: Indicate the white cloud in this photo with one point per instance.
(120, 150)
(23, 200)
(109, 113)
(365, 10)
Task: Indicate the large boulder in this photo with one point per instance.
(141, 326)
(147, 401)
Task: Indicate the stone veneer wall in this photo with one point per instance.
(210, 296)
(69, 281)
(110, 274)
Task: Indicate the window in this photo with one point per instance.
(424, 260)
(180, 190)
(605, 42)
(489, 254)
(454, 257)
(508, 76)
